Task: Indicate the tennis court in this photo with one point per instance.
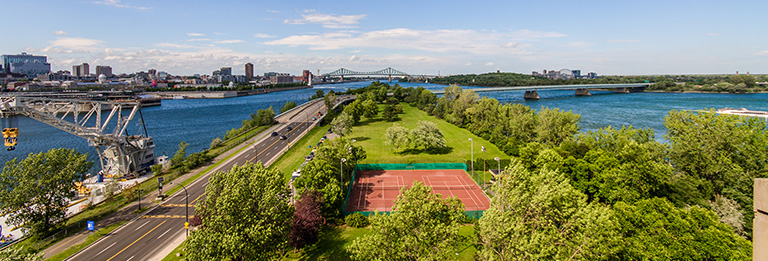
(377, 189)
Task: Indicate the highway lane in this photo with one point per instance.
(140, 239)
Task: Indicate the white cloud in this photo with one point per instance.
(116, 3)
(468, 64)
(228, 41)
(263, 36)
(273, 11)
(217, 33)
(576, 44)
(623, 41)
(172, 45)
(439, 41)
(199, 39)
(75, 43)
(490, 64)
(59, 32)
(762, 53)
(195, 34)
(327, 21)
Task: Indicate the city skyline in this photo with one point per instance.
(450, 37)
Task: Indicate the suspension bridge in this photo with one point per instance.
(388, 72)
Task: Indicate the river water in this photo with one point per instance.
(198, 121)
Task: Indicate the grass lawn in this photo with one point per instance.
(371, 135)
(293, 157)
(172, 256)
(334, 240)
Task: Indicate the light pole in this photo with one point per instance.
(341, 174)
(482, 148)
(499, 161)
(140, 191)
(472, 155)
(186, 201)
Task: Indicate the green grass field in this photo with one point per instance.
(371, 135)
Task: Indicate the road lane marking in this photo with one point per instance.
(163, 234)
(273, 143)
(105, 249)
(198, 197)
(163, 216)
(137, 240)
(129, 259)
(141, 226)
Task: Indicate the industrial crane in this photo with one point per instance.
(120, 154)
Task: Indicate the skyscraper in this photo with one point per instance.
(249, 71)
(105, 70)
(226, 70)
(25, 64)
(81, 70)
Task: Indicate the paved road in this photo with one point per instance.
(141, 238)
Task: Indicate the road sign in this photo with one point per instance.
(186, 225)
(91, 225)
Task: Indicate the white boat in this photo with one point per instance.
(178, 97)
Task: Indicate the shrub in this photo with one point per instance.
(356, 220)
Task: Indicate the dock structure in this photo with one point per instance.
(581, 89)
(744, 112)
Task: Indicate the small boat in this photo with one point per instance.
(179, 97)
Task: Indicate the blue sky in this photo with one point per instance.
(419, 37)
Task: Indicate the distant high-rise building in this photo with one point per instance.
(81, 70)
(306, 75)
(576, 74)
(25, 64)
(226, 70)
(105, 70)
(249, 71)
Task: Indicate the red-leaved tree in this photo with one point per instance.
(307, 219)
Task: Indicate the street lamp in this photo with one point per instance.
(140, 191)
(186, 201)
(472, 155)
(341, 174)
(482, 148)
(499, 161)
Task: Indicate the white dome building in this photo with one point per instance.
(102, 79)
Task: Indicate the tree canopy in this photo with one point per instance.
(245, 216)
(540, 215)
(422, 226)
(37, 189)
(342, 124)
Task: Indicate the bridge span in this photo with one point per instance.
(581, 89)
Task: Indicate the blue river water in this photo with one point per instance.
(198, 121)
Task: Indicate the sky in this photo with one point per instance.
(417, 37)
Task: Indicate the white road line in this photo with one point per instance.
(105, 249)
(145, 223)
(129, 259)
(163, 234)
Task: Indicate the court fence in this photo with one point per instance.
(476, 214)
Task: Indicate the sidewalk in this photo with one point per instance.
(127, 213)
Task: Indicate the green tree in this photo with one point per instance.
(342, 124)
(178, 158)
(421, 226)
(397, 137)
(245, 216)
(19, 254)
(37, 189)
(370, 108)
(288, 105)
(426, 135)
(539, 216)
(265, 117)
(318, 94)
(330, 100)
(723, 152)
(654, 229)
(390, 113)
(555, 126)
(355, 109)
(215, 142)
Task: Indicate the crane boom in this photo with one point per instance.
(119, 154)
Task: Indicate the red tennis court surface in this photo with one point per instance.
(377, 189)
